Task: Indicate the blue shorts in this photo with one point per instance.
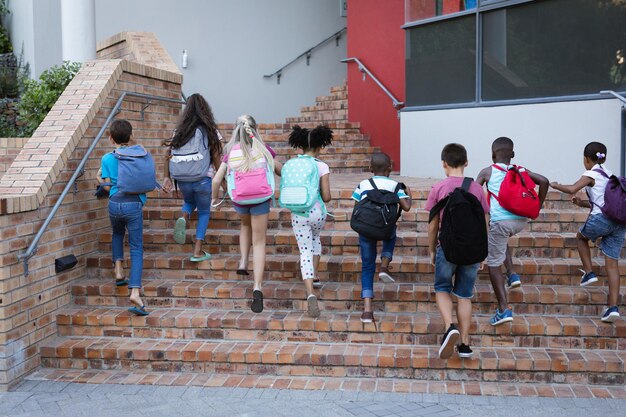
(253, 209)
(612, 234)
(464, 276)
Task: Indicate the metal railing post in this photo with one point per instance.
(622, 98)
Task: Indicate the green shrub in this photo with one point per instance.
(40, 95)
(5, 42)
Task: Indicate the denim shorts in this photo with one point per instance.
(253, 209)
(464, 276)
(612, 234)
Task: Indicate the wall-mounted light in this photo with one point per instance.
(64, 263)
(184, 59)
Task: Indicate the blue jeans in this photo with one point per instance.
(368, 262)
(197, 195)
(128, 216)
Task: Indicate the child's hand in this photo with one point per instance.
(99, 176)
(216, 203)
(577, 201)
(432, 254)
(482, 266)
(168, 186)
(554, 185)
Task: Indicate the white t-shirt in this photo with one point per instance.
(596, 193)
(383, 183)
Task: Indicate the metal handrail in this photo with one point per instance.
(32, 249)
(278, 73)
(397, 104)
(614, 94)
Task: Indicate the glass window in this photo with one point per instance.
(425, 9)
(554, 48)
(441, 62)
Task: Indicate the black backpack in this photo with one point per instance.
(463, 231)
(375, 216)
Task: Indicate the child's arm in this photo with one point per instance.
(433, 231)
(278, 167)
(580, 202)
(574, 188)
(484, 176)
(405, 203)
(217, 181)
(543, 185)
(167, 181)
(217, 163)
(325, 188)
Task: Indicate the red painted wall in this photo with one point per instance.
(375, 37)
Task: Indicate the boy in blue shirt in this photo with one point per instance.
(125, 212)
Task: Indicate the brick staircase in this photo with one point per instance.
(201, 331)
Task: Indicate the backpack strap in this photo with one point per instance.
(498, 167)
(601, 171)
(371, 180)
(434, 212)
(467, 182)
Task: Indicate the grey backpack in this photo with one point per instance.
(191, 162)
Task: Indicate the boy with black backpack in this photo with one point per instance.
(127, 173)
(513, 200)
(457, 248)
(378, 204)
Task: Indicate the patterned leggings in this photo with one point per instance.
(307, 231)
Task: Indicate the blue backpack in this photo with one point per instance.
(299, 184)
(136, 173)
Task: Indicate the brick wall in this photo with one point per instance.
(36, 178)
(140, 47)
(9, 148)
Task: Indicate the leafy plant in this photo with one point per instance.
(4, 8)
(5, 43)
(40, 95)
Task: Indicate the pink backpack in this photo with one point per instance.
(250, 187)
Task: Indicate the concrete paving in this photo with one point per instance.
(52, 399)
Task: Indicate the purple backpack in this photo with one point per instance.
(614, 198)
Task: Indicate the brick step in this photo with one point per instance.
(339, 88)
(341, 127)
(189, 292)
(294, 326)
(338, 95)
(319, 117)
(335, 360)
(342, 149)
(326, 105)
(525, 245)
(164, 212)
(347, 268)
(342, 204)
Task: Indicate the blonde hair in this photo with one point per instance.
(246, 135)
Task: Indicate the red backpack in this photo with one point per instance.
(517, 192)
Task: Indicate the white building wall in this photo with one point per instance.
(232, 44)
(20, 25)
(549, 138)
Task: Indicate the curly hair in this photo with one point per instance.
(302, 138)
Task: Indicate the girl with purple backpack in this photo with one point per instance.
(249, 167)
(602, 222)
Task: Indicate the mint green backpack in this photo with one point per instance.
(299, 184)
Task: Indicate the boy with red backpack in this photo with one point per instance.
(513, 200)
(606, 221)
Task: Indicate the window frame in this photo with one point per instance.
(483, 6)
